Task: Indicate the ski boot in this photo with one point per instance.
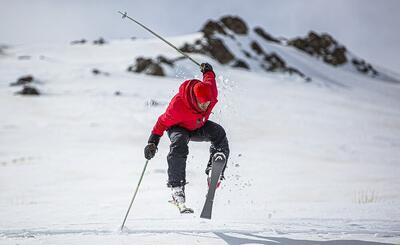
(178, 199)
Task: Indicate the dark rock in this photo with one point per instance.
(99, 41)
(235, 24)
(29, 90)
(196, 48)
(265, 35)
(292, 70)
(364, 67)
(148, 66)
(95, 72)
(23, 80)
(155, 70)
(256, 47)
(82, 41)
(247, 54)
(140, 65)
(276, 63)
(217, 49)
(162, 59)
(323, 46)
(337, 57)
(117, 93)
(212, 44)
(213, 47)
(241, 64)
(211, 28)
(272, 62)
(98, 72)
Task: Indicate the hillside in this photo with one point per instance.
(310, 161)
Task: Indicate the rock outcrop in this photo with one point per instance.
(99, 41)
(82, 41)
(213, 44)
(322, 46)
(29, 90)
(150, 66)
(364, 67)
(230, 42)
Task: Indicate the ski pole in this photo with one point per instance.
(124, 15)
(134, 195)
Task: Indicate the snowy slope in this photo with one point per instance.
(310, 162)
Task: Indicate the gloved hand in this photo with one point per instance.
(151, 148)
(150, 151)
(205, 67)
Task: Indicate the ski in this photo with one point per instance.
(219, 161)
(182, 207)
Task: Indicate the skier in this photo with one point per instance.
(186, 119)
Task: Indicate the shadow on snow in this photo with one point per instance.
(257, 239)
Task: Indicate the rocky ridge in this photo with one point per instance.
(230, 42)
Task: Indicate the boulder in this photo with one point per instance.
(29, 90)
(213, 47)
(99, 41)
(193, 48)
(337, 57)
(235, 24)
(140, 65)
(217, 50)
(155, 70)
(257, 48)
(276, 63)
(147, 66)
(364, 67)
(96, 72)
(82, 41)
(164, 60)
(323, 46)
(247, 54)
(23, 80)
(265, 35)
(212, 27)
(241, 64)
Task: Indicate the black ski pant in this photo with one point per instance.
(179, 150)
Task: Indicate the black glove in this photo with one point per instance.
(151, 148)
(205, 67)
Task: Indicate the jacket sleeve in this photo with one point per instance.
(209, 78)
(168, 119)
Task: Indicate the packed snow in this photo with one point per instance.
(311, 162)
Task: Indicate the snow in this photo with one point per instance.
(310, 162)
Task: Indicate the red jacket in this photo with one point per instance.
(183, 110)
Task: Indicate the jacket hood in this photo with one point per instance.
(187, 94)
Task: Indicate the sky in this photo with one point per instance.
(369, 28)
